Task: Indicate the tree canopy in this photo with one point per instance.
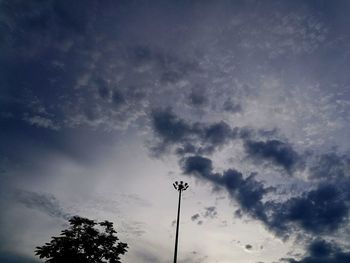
(84, 241)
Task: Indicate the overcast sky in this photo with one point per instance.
(104, 104)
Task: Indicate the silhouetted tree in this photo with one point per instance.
(85, 241)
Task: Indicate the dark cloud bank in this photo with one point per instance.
(321, 251)
(319, 211)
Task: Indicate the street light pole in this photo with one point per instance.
(179, 187)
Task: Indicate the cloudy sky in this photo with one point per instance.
(104, 104)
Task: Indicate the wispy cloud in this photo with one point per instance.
(46, 203)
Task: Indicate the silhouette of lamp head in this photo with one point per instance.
(180, 186)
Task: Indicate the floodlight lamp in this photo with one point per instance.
(180, 186)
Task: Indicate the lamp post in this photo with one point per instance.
(180, 187)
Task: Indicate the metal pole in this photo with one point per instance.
(177, 226)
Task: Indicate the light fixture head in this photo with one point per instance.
(180, 186)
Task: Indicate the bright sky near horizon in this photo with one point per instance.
(104, 104)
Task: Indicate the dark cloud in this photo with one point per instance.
(118, 98)
(186, 148)
(206, 138)
(323, 210)
(246, 191)
(103, 89)
(189, 137)
(321, 251)
(218, 133)
(229, 106)
(277, 152)
(198, 165)
(198, 98)
(330, 166)
(170, 128)
(238, 213)
(320, 248)
(45, 203)
(195, 217)
(210, 212)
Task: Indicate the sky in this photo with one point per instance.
(104, 104)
